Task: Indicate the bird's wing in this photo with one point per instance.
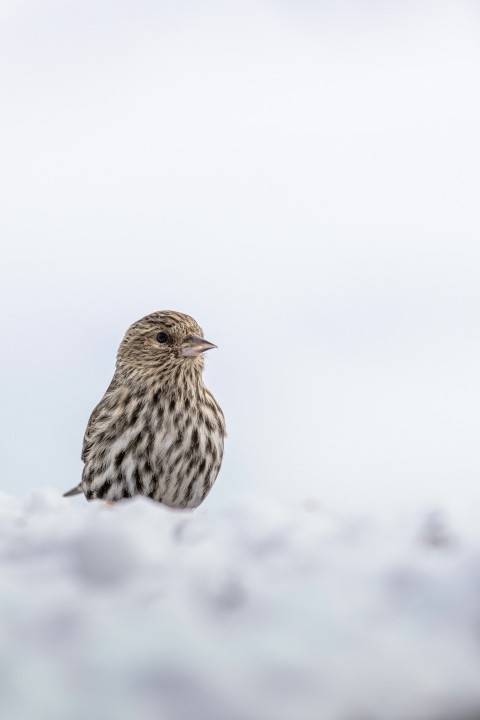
(90, 431)
(87, 438)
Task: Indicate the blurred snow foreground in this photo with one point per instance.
(246, 613)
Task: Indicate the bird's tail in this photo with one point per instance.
(74, 491)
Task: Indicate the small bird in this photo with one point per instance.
(157, 431)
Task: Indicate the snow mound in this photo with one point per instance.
(245, 613)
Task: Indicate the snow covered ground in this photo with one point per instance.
(250, 612)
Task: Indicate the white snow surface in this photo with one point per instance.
(249, 612)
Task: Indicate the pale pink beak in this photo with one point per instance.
(194, 346)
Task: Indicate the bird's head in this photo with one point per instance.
(162, 346)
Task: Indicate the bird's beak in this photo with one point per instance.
(195, 345)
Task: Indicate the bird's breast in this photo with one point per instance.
(186, 450)
(170, 451)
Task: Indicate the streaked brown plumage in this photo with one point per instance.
(158, 430)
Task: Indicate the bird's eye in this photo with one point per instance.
(162, 337)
